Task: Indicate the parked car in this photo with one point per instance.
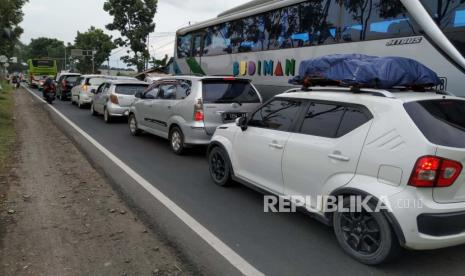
(113, 98)
(65, 83)
(187, 110)
(403, 147)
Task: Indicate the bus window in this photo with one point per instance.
(217, 41)
(197, 45)
(375, 19)
(236, 35)
(254, 34)
(318, 22)
(184, 46)
(283, 27)
(450, 16)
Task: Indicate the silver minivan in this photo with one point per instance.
(113, 98)
(188, 109)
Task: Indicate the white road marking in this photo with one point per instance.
(235, 259)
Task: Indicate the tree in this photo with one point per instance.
(160, 63)
(134, 20)
(44, 47)
(11, 16)
(93, 39)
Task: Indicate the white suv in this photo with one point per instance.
(403, 149)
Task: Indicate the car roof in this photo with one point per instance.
(343, 94)
(201, 77)
(126, 81)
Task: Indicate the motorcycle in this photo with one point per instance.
(50, 93)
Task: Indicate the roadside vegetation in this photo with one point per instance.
(7, 133)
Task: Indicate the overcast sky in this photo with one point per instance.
(62, 19)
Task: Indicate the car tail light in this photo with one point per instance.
(229, 78)
(114, 99)
(431, 171)
(198, 111)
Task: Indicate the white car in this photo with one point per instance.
(81, 92)
(403, 149)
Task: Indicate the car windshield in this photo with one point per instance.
(130, 89)
(442, 122)
(450, 17)
(95, 81)
(225, 91)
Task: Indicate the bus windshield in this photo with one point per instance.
(450, 17)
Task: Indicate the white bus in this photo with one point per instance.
(267, 40)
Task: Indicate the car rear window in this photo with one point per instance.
(72, 79)
(225, 91)
(130, 89)
(442, 122)
(95, 81)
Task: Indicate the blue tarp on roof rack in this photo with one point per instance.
(367, 71)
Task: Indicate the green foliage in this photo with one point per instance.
(11, 16)
(7, 133)
(160, 63)
(134, 20)
(93, 39)
(44, 47)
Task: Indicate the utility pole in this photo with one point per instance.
(93, 61)
(66, 60)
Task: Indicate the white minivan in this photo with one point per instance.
(402, 150)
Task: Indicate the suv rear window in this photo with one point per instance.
(442, 122)
(130, 89)
(224, 91)
(95, 81)
(71, 79)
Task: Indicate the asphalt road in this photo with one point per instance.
(276, 244)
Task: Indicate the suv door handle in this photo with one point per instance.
(339, 157)
(276, 146)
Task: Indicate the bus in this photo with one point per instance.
(266, 40)
(39, 69)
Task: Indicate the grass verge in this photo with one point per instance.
(7, 132)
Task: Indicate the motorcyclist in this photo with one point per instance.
(49, 86)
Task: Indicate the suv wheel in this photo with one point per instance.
(106, 116)
(365, 236)
(177, 141)
(220, 167)
(135, 131)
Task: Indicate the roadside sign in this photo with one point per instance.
(14, 60)
(76, 52)
(3, 59)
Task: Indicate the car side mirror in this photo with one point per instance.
(242, 123)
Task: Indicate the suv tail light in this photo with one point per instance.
(114, 99)
(198, 111)
(431, 171)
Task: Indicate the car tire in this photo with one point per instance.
(133, 127)
(176, 138)
(365, 236)
(106, 116)
(92, 110)
(220, 167)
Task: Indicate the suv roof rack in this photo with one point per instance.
(355, 90)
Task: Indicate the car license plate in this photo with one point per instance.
(233, 116)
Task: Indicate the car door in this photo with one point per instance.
(258, 151)
(324, 153)
(162, 108)
(143, 107)
(98, 98)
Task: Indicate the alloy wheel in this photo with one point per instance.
(218, 166)
(176, 140)
(361, 232)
